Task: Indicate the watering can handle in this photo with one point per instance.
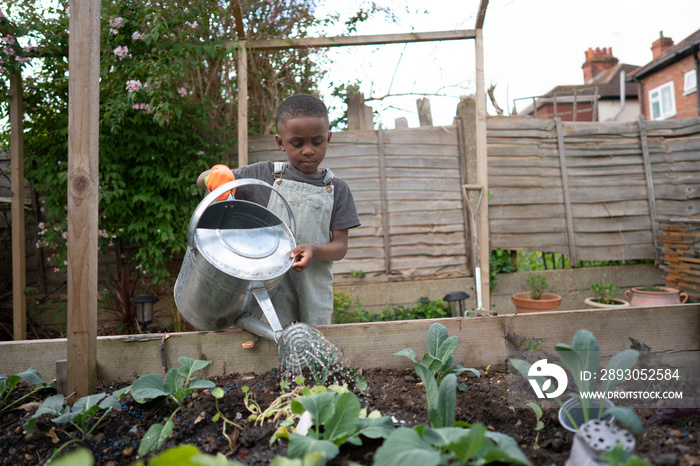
(213, 196)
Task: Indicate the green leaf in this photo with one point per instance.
(623, 360)
(32, 376)
(626, 416)
(155, 436)
(300, 445)
(380, 427)
(409, 353)
(321, 406)
(344, 421)
(404, 447)
(437, 333)
(202, 384)
(79, 457)
(190, 365)
(180, 455)
(468, 446)
(447, 402)
(218, 393)
(148, 387)
(431, 387)
(508, 449)
(446, 348)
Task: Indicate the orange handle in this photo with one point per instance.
(628, 294)
(684, 297)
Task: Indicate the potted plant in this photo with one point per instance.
(604, 296)
(536, 300)
(651, 295)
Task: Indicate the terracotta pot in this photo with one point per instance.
(524, 304)
(639, 297)
(596, 305)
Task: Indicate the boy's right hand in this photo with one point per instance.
(218, 176)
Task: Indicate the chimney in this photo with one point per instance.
(596, 61)
(660, 45)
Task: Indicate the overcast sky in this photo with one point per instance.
(530, 46)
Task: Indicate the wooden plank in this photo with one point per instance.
(83, 194)
(482, 178)
(385, 201)
(19, 248)
(480, 342)
(242, 77)
(649, 184)
(342, 41)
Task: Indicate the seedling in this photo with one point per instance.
(82, 415)
(218, 393)
(179, 383)
(336, 419)
(8, 384)
(539, 424)
(439, 375)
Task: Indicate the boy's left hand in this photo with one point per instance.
(303, 255)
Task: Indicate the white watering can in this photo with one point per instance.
(237, 254)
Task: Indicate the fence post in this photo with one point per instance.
(565, 188)
(242, 78)
(19, 275)
(385, 200)
(650, 186)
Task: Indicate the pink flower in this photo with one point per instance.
(133, 85)
(122, 52)
(113, 31)
(23, 59)
(192, 25)
(116, 22)
(182, 91)
(138, 35)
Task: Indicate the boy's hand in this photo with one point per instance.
(218, 176)
(303, 255)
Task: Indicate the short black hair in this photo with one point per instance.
(300, 106)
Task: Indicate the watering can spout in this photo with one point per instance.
(257, 327)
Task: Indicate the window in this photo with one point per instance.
(662, 103)
(690, 82)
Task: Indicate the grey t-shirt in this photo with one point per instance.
(344, 214)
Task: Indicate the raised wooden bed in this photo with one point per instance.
(671, 329)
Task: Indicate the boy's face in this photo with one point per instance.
(305, 141)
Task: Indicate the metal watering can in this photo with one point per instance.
(237, 252)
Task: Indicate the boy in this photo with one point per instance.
(323, 207)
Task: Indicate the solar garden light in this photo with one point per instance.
(144, 309)
(456, 302)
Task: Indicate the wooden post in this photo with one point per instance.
(242, 104)
(19, 275)
(83, 186)
(575, 105)
(466, 134)
(385, 200)
(565, 189)
(481, 166)
(425, 116)
(651, 198)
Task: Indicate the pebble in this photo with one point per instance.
(558, 444)
(134, 431)
(128, 451)
(683, 449)
(99, 438)
(29, 458)
(409, 379)
(666, 459)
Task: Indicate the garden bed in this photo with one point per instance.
(396, 393)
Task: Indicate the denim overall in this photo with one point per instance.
(305, 296)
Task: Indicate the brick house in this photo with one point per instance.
(599, 99)
(668, 84)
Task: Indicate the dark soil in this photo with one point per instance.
(395, 393)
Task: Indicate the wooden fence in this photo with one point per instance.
(595, 191)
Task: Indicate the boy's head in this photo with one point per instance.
(302, 124)
(301, 105)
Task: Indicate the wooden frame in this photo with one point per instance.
(672, 329)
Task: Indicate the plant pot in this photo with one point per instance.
(639, 297)
(596, 305)
(575, 410)
(525, 305)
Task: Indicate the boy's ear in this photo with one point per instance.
(279, 141)
(329, 137)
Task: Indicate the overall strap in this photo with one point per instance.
(278, 171)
